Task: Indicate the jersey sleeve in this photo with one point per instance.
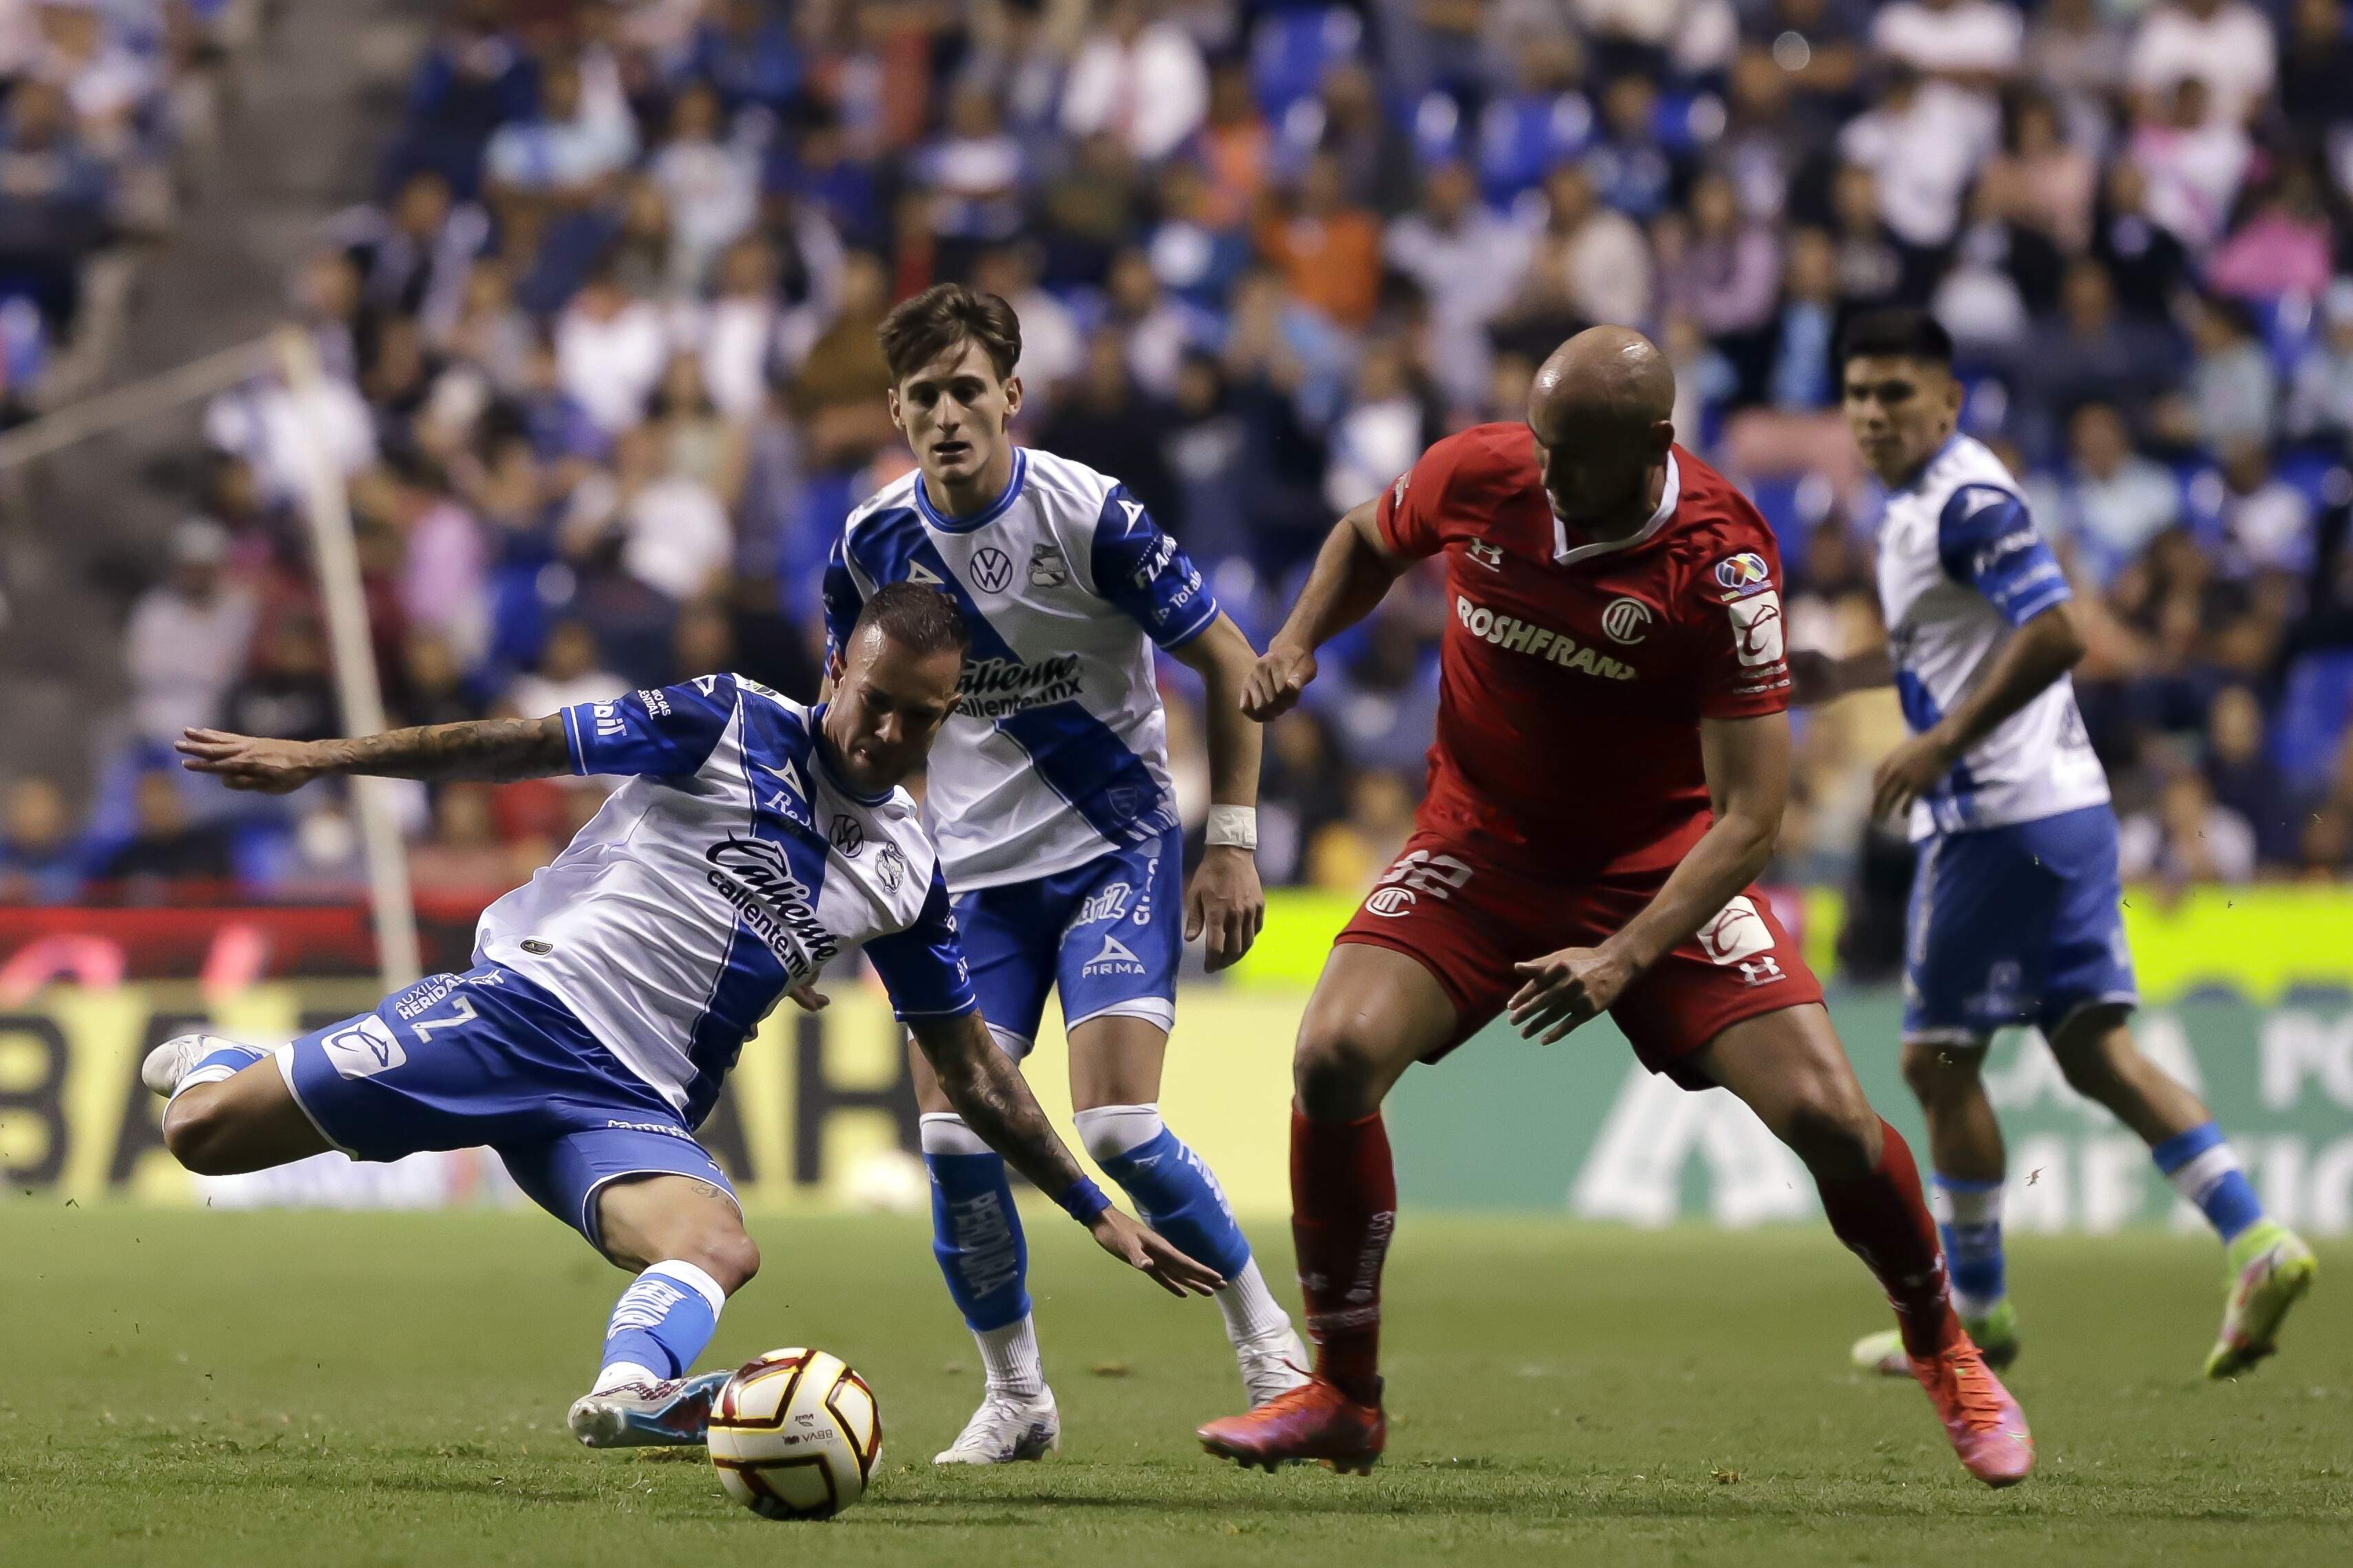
(1408, 510)
(922, 967)
(1988, 540)
(1147, 574)
(842, 597)
(667, 733)
(1744, 663)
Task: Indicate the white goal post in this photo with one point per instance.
(286, 355)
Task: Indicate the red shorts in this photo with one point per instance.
(1468, 921)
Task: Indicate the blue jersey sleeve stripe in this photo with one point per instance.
(571, 743)
(1208, 615)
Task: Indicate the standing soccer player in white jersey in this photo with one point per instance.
(610, 996)
(1049, 796)
(2013, 917)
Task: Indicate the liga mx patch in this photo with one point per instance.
(365, 1049)
(1743, 574)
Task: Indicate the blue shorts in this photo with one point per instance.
(2015, 925)
(1109, 933)
(489, 1058)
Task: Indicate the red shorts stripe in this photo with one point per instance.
(1468, 920)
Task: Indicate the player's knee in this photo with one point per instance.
(1332, 1069)
(1935, 1071)
(728, 1254)
(199, 1130)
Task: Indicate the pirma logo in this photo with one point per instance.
(992, 568)
(365, 1049)
(1115, 958)
(1625, 619)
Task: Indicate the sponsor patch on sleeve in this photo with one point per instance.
(1757, 629)
(1743, 574)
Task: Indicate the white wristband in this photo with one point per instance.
(1233, 826)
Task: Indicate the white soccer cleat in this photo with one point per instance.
(1272, 1365)
(1007, 1430)
(672, 1413)
(170, 1062)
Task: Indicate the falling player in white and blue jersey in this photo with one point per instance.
(2013, 917)
(754, 840)
(1050, 795)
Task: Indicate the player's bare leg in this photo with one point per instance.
(2270, 1267)
(1790, 1069)
(231, 1111)
(685, 1241)
(1115, 1065)
(1375, 1013)
(1968, 1158)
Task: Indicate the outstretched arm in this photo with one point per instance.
(492, 749)
(987, 1090)
(1352, 573)
(1747, 766)
(2033, 656)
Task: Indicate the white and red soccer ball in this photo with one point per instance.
(795, 1434)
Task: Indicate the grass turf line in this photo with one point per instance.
(190, 1388)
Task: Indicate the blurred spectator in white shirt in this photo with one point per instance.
(567, 149)
(2320, 400)
(673, 532)
(2113, 500)
(188, 636)
(2194, 162)
(1139, 79)
(2266, 521)
(613, 348)
(713, 185)
(2186, 837)
(2227, 44)
(570, 671)
(1469, 263)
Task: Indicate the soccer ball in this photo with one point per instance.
(794, 1435)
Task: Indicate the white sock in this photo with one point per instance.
(1011, 1355)
(1250, 1310)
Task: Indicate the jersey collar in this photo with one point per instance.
(986, 514)
(1564, 555)
(819, 746)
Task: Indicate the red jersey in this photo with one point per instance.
(1573, 675)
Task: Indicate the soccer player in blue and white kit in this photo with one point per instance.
(1049, 796)
(2013, 917)
(754, 841)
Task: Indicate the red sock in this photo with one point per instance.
(1884, 1221)
(1343, 1207)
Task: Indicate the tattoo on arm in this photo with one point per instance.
(987, 1092)
(498, 750)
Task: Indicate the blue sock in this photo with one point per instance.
(661, 1323)
(1969, 1219)
(225, 1060)
(975, 1230)
(1172, 1190)
(2203, 1168)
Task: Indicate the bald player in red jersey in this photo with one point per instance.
(1608, 780)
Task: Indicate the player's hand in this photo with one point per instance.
(1275, 683)
(1814, 676)
(1225, 904)
(1139, 1248)
(808, 999)
(246, 761)
(1909, 772)
(1566, 988)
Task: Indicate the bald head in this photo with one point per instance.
(1612, 373)
(1602, 409)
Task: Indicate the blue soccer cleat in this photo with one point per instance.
(672, 1413)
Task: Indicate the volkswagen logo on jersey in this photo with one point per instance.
(890, 866)
(1625, 619)
(847, 835)
(1743, 573)
(992, 568)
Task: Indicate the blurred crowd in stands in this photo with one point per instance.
(604, 380)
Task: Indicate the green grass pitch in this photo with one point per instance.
(267, 1389)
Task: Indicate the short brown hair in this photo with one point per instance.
(920, 330)
(921, 619)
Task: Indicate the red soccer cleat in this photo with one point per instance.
(1312, 1421)
(1988, 1429)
